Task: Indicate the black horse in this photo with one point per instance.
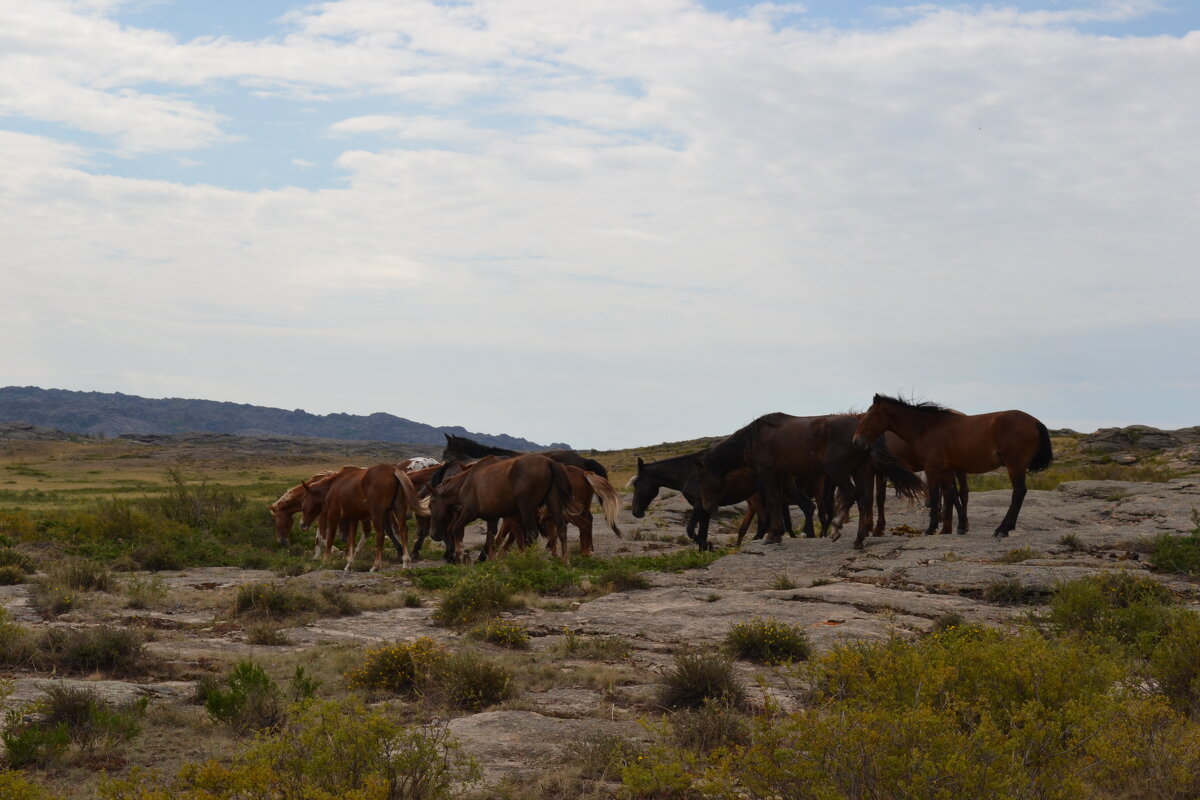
(779, 448)
(681, 474)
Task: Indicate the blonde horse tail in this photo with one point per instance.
(608, 500)
(418, 505)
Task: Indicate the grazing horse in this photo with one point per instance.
(584, 485)
(502, 488)
(460, 448)
(779, 448)
(945, 441)
(381, 494)
(286, 507)
(680, 473)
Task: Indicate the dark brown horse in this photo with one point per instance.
(584, 486)
(680, 473)
(382, 495)
(779, 448)
(501, 488)
(946, 441)
(460, 448)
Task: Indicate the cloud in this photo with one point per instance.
(736, 214)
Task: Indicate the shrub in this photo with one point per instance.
(50, 599)
(1175, 661)
(143, 592)
(622, 576)
(12, 557)
(28, 744)
(505, 633)
(265, 634)
(1177, 554)
(473, 599)
(324, 751)
(766, 641)
(271, 600)
(1008, 591)
(1019, 555)
(713, 725)
(603, 757)
(599, 648)
(14, 786)
(468, 681)
(1071, 542)
(81, 574)
(1125, 607)
(694, 678)
(783, 582)
(11, 575)
(249, 702)
(397, 668)
(91, 721)
(18, 646)
(115, 651)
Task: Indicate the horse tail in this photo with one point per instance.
(592, 465)
(1044, 455)
(608, 500)
(561, 485)
(905, 480)
(407, 497)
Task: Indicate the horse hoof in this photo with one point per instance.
(999, 534)
(835, 535)
(859, 546)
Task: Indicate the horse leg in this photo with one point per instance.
(964, 490)
(702, 532)
(949, 504)
(1014, 505)
(934, 480)
(422, 535)
(584, 523)
(489, 542)
(349, 529)
(746, 520)
(880, 498)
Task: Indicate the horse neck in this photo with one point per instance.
(912, 426)
(671, 476)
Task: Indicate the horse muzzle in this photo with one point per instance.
(861, 442)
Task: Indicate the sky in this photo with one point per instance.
(606, 223)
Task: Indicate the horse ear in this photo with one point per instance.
(447, 437)
(641, 464)
(304, 483)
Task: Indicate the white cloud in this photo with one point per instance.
(566, 187)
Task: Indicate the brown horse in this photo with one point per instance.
(955, 490)
(584, 485)
(288, 505)
(945, 441)
(500, 488)
(381, 494)
(780, 448)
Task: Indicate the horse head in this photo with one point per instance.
(872, 425)
(645, 489)
(282, 520)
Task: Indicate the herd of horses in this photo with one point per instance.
(824, 465)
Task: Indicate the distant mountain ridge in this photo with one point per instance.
(115, 414)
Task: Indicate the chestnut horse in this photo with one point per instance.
(779, 448)
(382, 494)
(286, 507)
(945, 441)
(501, 488)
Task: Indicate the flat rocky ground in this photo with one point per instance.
(898, 585)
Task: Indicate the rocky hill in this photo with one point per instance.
(116, 414)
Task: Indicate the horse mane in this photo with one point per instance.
(670, 462)
(730, 453)
(291, 493)
(924, 406)
(469, 447)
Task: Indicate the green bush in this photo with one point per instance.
(473, 599)
(621, 576)
(18, 645)
(767, 641)
(397, 668)
(713, 725)
(468, 681)
(1122, 606)
(51, 599)
(696, 678)
(272, 601)
(1175, 661)
(248, 702)
(325, 751)
(27, 744)
(1177, 554)
(144, 592)
(91, 722)
(599, 648)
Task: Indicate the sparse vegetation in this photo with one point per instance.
(767, 641)
(505, 633)
(1019, 555)
(696, 678)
